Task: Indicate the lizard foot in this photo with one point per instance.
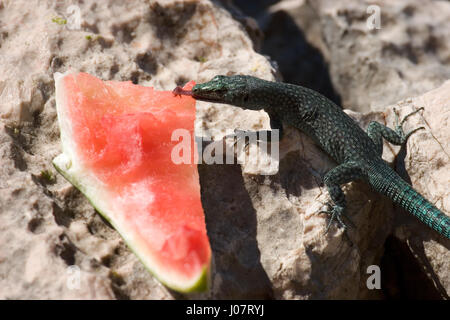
(249, 137)
(236, 136)
(399, 126)
(337, 212)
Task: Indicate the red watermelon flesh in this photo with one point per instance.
(117, 147)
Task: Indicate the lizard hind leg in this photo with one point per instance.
(399, 127)
(376, 131)
(346, 172)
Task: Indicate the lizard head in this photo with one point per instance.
(234, 90)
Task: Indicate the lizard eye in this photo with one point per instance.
(245, 98)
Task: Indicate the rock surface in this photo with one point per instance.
(328, 46)
(293, 39)
(266, 237)
(410, 52)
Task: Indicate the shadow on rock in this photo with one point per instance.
(231, 224)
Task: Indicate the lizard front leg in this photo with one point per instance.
(261, 135)
(343, 173)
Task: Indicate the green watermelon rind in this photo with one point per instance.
(72, 172)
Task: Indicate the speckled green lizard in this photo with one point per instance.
(357, 153)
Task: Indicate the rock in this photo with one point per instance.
(267, 239)
(292, 39)
(326, 45)
(372, 68)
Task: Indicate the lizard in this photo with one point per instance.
(356, 152)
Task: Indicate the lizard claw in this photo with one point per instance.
(337, 212)
(399, 126)
(241, 134)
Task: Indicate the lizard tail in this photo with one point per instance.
(386, 181)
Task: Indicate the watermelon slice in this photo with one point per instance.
(116, 149)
